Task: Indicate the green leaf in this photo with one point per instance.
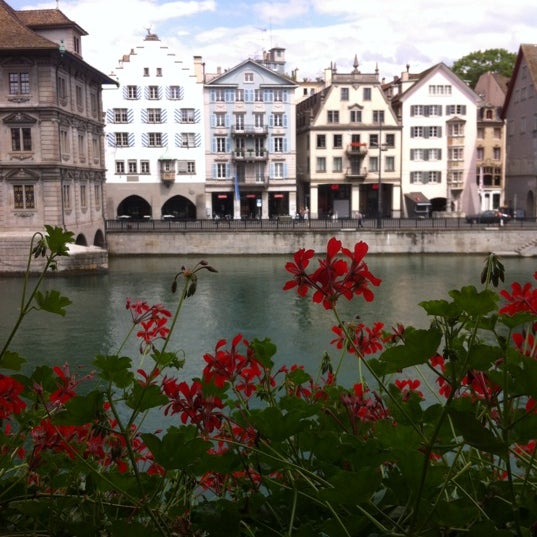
(474, 302)
(167, 359)
(115, 369)
(179, 448)
(264, 351)
(482, 356)
(81, 409)
(350, 488)
(57, 240)
(298, 376)
(417, 349)
(52, 301)
(145, 397)
(474, 433)
(12, 360)
(441, 308)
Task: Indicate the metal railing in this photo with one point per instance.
(287, 223)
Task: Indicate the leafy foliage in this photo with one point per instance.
(436, 436)
(497, 60)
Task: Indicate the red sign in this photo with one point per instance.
(222, 196)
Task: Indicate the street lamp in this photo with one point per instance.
(379, 185)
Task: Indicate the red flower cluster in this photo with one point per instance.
(10, 402)
(363, 340)
(153, 320)
(341, 272)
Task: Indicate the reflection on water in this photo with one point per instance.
(244, 296)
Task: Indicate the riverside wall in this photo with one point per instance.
(501, 241)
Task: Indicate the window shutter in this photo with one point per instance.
(215, 171)
(197, 116)
(163, 116)
(197, 140)
(284, 145)
(285, 120)
(145, 118)
(145, 139)
(285, 170)
(111, 139)
(178, 140)
(164, 139)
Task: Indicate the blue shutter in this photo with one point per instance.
(228, 170)
(177, 115)
(215, 171)
(285, 96)
(144, 115)
(285, 172)
(213, 121)
(110, 116)
(271, 120)
(163, 115)
(285, 120)
(197, 116)
(130, 115)
(178, 139)
(111, 139)
(226, 121)
(145, 139)
(284, 145)
(197, 140)
(164, 139)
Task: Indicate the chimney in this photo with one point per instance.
(198, 69)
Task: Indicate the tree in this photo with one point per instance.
(473, 65)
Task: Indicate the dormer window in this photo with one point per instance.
(146, 71)
(76, 44)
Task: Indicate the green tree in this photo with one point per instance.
(473, 65)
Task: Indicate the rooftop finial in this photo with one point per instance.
(356, 64)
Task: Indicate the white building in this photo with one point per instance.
(154, 136)
(438, 112)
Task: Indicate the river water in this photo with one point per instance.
(245, 296)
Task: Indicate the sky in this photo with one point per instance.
(388, 34)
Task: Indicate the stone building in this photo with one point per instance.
(52, 164)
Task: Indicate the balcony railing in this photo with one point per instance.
(250, 155)
(249, 130)
(357, 148)
(356, 172)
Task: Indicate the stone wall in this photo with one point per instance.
(14, 250)
(498, 240)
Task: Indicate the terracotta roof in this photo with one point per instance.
(47, 18)
(14, 34)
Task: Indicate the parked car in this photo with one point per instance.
(493, 216)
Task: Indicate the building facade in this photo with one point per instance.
(348, 141)
(250, 141)
(490, 149)
(520, 114)
(438, 112)
(52, 163)
(154, 136)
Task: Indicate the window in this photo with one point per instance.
(76, 44)
(434, 177)
(220, 144)
(456, 153)
(367, 94)
(498, 131)
(337, 164)
(496, 153)
(480, 132)
(333, 116)
(24, 196)
(344, 94)
(144, 167)
(62, 88)
(132, 92)
(219, 95)
(259, 119)
(19, 83)
(374, 164)
(122, 139)
(415, 177)
(455, 129)
(159, 71)
(480, 153)
(186, 167)
(64, 142)
(278, 170)
(132, 166)
(439, 89)
(459, 109)
(373, 140)
(249, 77)
(416, 132)
(321, 164)
(153, 92)
(78, 97)
(120, 166)
(97, 194)
(389, 164)
(95, 149)
(435, 154)
(239, 95)
(356, 116)
(321, 141)
(83, 197)
(417, 154)
(435, 110)
(94, 106)
(378, 116)
(258, 95)
(220, 120)
(81, 146)
(154, 115)
(146, 71)
(175, 92)
(390, 140)
(278, 95)
(435, 132)
(155, 139)
(21, 139)
(221, 170)
(188, 115)
(66, 192)
(455, 177)
(278, 144)
(277, 119)
(338, 141)
(239, 122)
(188, 139)
(120, 115)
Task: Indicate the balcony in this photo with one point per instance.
(167, 177)
(357, 148)
(356, 172)
(249, 130)
(250, 155)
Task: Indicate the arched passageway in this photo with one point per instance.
(134, 207)
(98, 240)
(179, 208)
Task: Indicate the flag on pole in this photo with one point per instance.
(237, 193)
